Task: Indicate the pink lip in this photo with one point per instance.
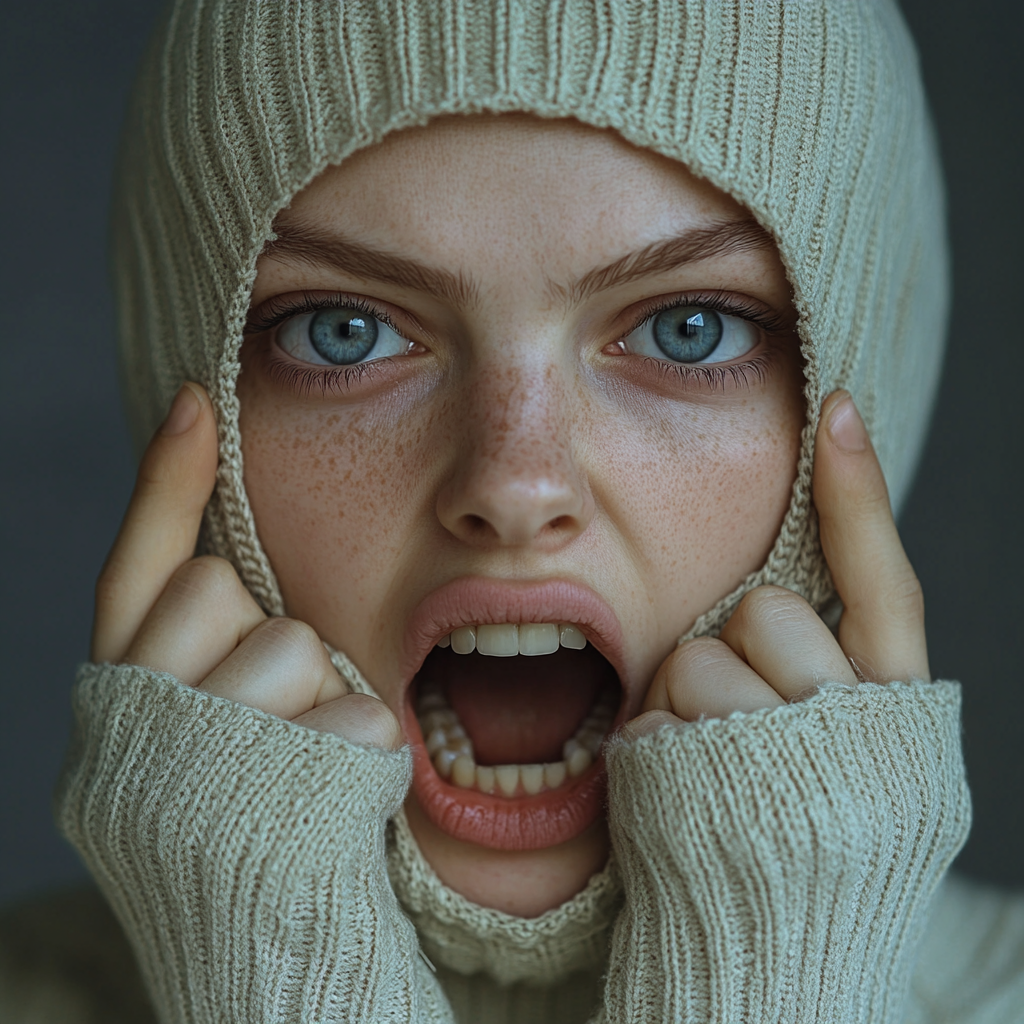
(529, 822)
(473, 599)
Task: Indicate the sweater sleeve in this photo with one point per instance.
(779, 865)
(243, 855)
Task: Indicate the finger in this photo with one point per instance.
(281, 667)
(359, 718)
(160, 528)
(882, 628)
(202, 615)
(648, 722)
(705, 678)
(779, 635)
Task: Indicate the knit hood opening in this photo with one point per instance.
(240, 105)
(809, 115)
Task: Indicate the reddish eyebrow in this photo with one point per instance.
(300, 242)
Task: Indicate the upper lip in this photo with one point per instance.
(471, 600)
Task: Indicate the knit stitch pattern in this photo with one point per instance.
(777, 866)
(810, 114)
(243, 855)
(470, 939)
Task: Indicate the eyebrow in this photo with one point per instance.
(722, 239)
(305, 244)
(301, 242)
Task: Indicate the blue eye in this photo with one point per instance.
(687, 334)
(339, 336)
(343, 336)
(693, 334)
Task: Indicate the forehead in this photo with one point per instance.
(512, 186)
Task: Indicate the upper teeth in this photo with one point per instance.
(506, 639)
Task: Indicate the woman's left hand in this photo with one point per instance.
(775, 648)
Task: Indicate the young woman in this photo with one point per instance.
(510, 347)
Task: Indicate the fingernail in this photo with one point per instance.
(184, 412)
(846, 428)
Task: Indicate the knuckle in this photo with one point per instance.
(874, 501)
(298, 639)
(371, 722)
(904, 598)
(697, 655)
(208, 577)
(109, 584)
(867, 506)
(767, 607)
(150, 475)
(647, 723)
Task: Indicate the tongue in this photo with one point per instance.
(520, 710)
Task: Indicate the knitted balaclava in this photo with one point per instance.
(810, 114)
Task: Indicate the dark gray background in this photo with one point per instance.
(66, 469)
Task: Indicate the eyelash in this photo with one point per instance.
(307, 380)
(339, 380)
(323, 381)
(277, 310)
(770, 323)
(715, 376)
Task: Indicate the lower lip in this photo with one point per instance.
(519, 823)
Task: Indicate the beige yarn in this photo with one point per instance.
(771, 867)
(470, 939)
(809, 113)
(777, 868)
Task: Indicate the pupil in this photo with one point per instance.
(687, 334)
(343, 336)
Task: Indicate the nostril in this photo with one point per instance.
(476, 526)
(513, 512)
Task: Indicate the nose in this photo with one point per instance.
(516, 482)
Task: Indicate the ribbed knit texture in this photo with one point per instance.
(469, 939)
(243, 855)
(63, 961)
(811, 114)
(772, 867)
(776, 866)
(779, 865)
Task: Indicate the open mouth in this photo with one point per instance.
(508, 713)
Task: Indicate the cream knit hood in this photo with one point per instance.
(772, 867)
(811, 114)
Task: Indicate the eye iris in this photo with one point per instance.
(688, 334)
(343, 335)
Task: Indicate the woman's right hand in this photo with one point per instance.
(159, 606)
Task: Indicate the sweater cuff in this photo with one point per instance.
(243, 854)
(778, 865)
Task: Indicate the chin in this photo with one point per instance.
(511, 689)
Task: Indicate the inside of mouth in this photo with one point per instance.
(515, 726)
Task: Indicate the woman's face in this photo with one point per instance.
(503, 371)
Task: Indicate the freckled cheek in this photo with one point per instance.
(335, 502)
(700, 502)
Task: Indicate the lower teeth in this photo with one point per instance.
(452, 751)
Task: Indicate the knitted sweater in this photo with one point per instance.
(774, 866)
(777, 866)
